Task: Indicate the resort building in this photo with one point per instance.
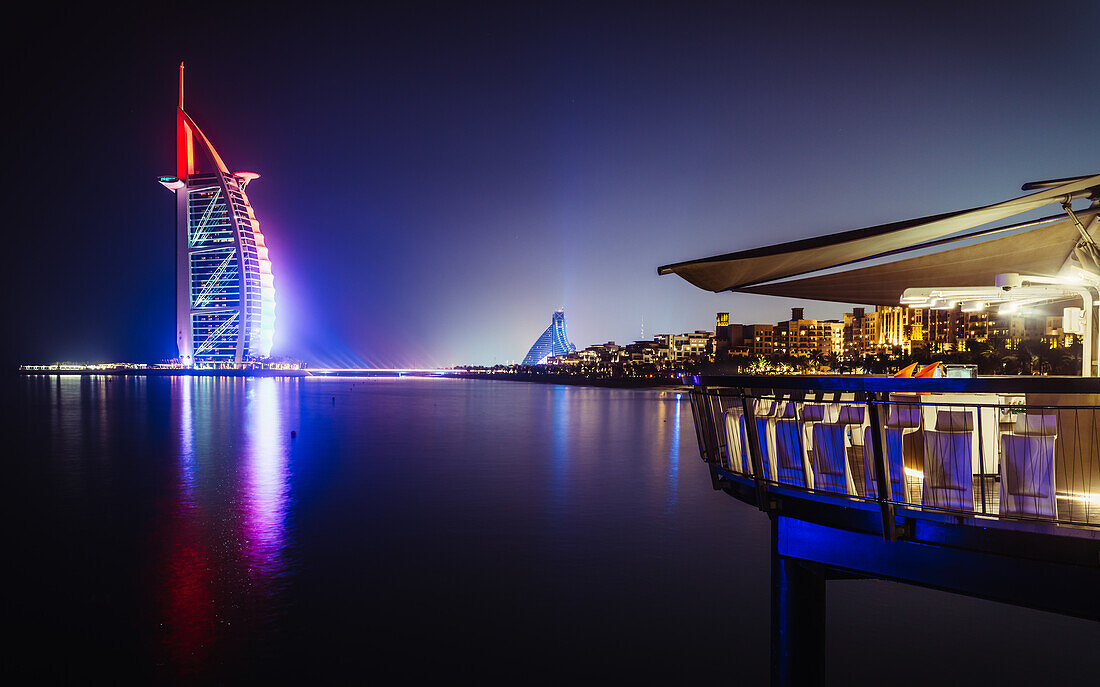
(892, 331)
(551, 343)
(759, 339)
(225, 293)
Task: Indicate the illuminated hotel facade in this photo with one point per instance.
(552, 342)
(225, 293)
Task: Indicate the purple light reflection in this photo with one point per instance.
(187, 441)
(222, 556)
(266, 481)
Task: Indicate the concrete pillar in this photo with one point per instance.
(798, 620)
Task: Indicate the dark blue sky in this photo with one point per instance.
(436, 181)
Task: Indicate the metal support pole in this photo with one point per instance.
(981, 458)
(798, 620)
(755, 456)
(1088, 354)
(882, 477)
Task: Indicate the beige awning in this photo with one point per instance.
(1039, 251)
(735, 271)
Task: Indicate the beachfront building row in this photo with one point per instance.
(889, 330)
(664, 350)
(893, 331)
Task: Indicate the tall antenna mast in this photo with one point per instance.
(185, 144)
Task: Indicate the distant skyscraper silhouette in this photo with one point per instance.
(552, 342)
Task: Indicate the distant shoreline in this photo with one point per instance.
(577, 380)
(164, 372)
(535, 378)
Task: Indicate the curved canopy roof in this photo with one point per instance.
(751, 270)
(1038, 251)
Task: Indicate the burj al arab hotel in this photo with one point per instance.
(225, 293)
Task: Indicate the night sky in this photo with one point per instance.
(436, 180)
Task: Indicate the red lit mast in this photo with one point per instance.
(185, 147)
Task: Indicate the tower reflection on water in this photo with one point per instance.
(266, 483)
(224, 551)
(172, 528)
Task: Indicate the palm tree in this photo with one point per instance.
(990, 360)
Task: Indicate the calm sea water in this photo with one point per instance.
(264, 529)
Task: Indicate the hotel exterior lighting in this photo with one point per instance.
(552, 342)
(225, 290)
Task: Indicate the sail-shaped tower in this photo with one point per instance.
(225, 292)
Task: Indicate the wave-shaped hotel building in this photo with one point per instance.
(553, 341)
(225, 292)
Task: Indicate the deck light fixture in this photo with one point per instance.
(1014, 292)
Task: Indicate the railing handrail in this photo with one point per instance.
(881, 384)
(1065, 481)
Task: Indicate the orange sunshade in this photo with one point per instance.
(907, 372)
(933, 370)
